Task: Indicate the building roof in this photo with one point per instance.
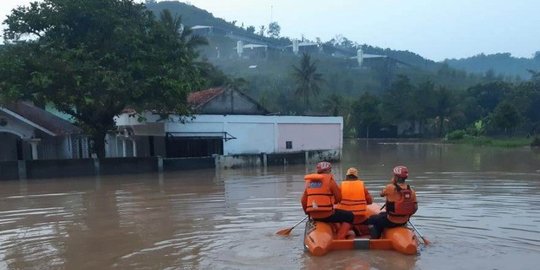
(202, 101)
(199, 98)
(43, 119)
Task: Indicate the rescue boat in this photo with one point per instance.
(320, 238)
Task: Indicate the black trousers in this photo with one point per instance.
(338, 216)
(379, 222)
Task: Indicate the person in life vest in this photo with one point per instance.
(320, 194)
(355, 197)
(400, 204)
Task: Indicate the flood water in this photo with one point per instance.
(479, 206)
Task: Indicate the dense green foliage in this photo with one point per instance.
(308, 80)
(502, 64)
(93, 58)
(496, 109)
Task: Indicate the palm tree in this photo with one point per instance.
(173, 26)
(334, 105)
(307, 79)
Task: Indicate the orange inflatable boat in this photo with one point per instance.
(319, 238)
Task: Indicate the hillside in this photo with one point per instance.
(500, 63)
(267, 69)
(191, 16)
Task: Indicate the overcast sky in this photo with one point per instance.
(435, 29)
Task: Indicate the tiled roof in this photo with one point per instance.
(199, 98)
(43, 118)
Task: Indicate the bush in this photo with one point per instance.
(456, 135)
(536, 142)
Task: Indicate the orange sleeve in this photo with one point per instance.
(388, 189)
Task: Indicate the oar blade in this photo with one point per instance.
(284, 232)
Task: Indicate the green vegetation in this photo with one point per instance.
(503, 64)
(91, 59)
(308, 80)
(497, 142)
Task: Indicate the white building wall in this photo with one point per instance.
(251, 138)
(257, 133)
(309, 136)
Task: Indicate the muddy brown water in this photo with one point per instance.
(479, 206)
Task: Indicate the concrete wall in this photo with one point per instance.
(8, 146)
(34, 169)
(59, 168)
(266, 134)
(37, 169)
(9, 170)
(309, 136)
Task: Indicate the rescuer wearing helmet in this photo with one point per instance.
(320, 194)
(354, 197)
(400, 204)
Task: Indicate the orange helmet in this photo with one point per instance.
(401, 171)
(324, 166)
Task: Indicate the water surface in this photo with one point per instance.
(479, 206)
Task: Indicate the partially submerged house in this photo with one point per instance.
(28, 132)
(227, 123)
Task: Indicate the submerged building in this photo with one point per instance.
(233, 128)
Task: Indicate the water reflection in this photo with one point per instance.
(479, 206)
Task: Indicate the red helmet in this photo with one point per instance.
(323, 166)
(401, 171)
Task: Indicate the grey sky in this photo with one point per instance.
(435, 29)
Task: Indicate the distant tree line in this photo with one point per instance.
(426, 109)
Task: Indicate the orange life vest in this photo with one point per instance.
(353, 197)
(320, 200)
(405, 206)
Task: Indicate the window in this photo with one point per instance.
(288, 144)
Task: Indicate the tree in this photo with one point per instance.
(334, 104)
(396, 101)
(93, 58)
(251, 29)
(506, 116)
(274, 29)
(308, 80)
(444, 100)
(261, 30)
(366, 113)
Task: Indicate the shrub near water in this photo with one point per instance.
(455, 135)
(536, 142)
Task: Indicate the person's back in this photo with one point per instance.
(400, 203)
(355, 196)
(320, 193)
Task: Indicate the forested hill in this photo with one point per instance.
(500, 63)
(192, 15)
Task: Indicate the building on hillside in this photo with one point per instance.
(227, 123)
(28, 132)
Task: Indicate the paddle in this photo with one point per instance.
(426, 242)
(287, 231)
